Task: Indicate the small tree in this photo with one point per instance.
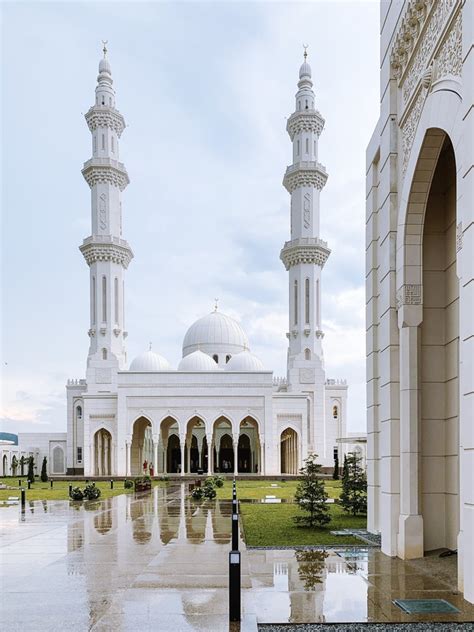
(311, 496)
(31, 473)
(345, 471)
(335, 474)
(354, 486)
(44, 473)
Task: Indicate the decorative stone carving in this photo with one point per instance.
(449, 56)
(427, 77)
(459, 237)
(307, 173)
(103, 211)
(307, 332)
(117, 332)
(103, 330)
(103, 376)
(93, 252)
(108, 416)
(304, 250)
(307, 376)
(306, 121)
(105, 170)
(409, 294)
(307, 210)
(91, 332)
(100, 116)
(319, 333)
(409, 127)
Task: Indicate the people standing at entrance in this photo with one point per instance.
(152, 470)
(145, 466)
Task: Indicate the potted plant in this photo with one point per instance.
(142, 483)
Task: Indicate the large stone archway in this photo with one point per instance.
(428, 319)
(141, 446)
(289, 463)
(249, 447)
(103, 456)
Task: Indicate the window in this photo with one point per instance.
(307, 145)
(112, 140)
(227, 358)
(295, 298)
(318, 315)
(335, 412)
(93, 302)
(103, 141)
(116, 299)
(306, 104)
(79, 412)
(79, 455)
(299, 105)
(95, 144)
(306, 301)
(104, 354)
(335, 453)
(315, 150)
(297, 147)
(103, 101)
(215, 357)
(307, 354)
(104, 299)
(110, 101)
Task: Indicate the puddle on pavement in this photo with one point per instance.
(132, 561)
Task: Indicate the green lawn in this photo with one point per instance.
(60, 491)
(273, 525)
(256, 490)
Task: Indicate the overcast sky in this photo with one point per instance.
(205, 89)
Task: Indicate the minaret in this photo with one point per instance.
(106, 253)
(305, 255)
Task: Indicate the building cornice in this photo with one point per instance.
(104, 116)
(305, 121)
(307, 173)
(105, 170)
(106, 248)
(305, 250)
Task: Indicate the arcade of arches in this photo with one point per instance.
(219, 452)
(289, 452)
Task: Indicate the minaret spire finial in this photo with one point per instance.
(305, 54)
(215, 306)
(149, 346)
(105, 42)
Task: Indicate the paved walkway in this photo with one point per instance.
(160, 562)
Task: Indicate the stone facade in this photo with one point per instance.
(420, 290)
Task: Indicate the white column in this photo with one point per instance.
(236, 452)
(128, 447)
(209, 454)
(182, 445)
(188, 450)
(165, 457)
(155, 454)
(410, 529)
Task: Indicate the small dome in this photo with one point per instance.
(245, 361)
(215, 333)
(104, 66)
(149, 361)
(197, 361)
(305, 70)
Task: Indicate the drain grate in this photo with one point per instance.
(425, 606)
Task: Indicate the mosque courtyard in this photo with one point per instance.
(159, 561)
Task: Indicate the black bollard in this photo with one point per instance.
(70, 490)
(111, 484)
(235, 532)
(235, 506)
(23, 499)
(29, 484)
(234, 586)
(19, 483)
(87, 481)
(51, 483)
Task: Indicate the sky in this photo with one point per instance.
(205, 89)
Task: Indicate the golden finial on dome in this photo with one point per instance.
(305, 54)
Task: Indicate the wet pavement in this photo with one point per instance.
(160, 562)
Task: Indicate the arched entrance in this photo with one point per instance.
(102, 453)
(244, 463)
(225, 454)
(58, 460)
(5, 465)
(195, 435)
(142, 446)
(174, 455)
(289, 463)
(249, 448)
(439, 360)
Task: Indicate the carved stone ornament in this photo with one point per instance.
(98, 116)
(306, 121)
(117, 332)
(93, 252)
(305, 250)
(307, 376)
(319, 333)
(459, 237)
(103, 211)
(103, 330)
(307, 332)
(105, 171)
(308, 173)
(91, 332)
(307, 210)
(409, 294)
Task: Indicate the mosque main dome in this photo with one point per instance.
(215, 334)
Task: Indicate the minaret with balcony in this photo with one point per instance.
(105, 251)
(305, 254)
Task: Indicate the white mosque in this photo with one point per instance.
(221, 409)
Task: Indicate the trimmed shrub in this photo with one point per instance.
(197, 493)
(218, 481)
(128, 484)
(76, 493)
(44, 472)
(91, 492)
(31, 473)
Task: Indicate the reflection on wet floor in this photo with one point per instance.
(159, 562)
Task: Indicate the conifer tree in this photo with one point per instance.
(44, 473)
(31, 473)
(335, 474)
(354, 486)
(311, 496)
